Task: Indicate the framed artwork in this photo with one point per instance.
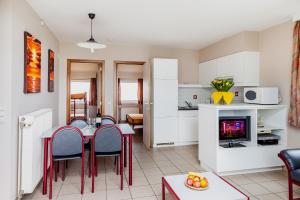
(50, 70)
(32, 64)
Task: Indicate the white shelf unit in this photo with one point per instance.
(253, 157)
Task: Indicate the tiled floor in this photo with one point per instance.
(148, 168)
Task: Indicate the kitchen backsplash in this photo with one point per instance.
(193, 95)
(203, 95)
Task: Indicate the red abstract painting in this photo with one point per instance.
(32, 64)
(50, 71)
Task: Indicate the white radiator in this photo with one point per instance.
(30, 159)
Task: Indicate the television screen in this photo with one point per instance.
(234, 128)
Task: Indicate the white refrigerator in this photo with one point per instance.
(164, 101)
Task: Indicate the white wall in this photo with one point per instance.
(22, 18)
(5, 97)
(188, 63)
(275, 46)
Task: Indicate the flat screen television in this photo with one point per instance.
(234, 129)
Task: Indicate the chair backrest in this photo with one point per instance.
(108, 138)
(106, 119)
(291, 157)
(67, 141)
(79, 123)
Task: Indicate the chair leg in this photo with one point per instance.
(121, 170)
(56, 164)
(89, 165)
(51, 175)
(117, 164)
(63, 171)
(290, 189)
(82, 174)
(93, 172)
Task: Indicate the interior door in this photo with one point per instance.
(147, 106)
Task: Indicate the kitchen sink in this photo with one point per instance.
(187, 108)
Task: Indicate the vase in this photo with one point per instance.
(222, 97)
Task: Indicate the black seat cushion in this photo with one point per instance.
(69, 157)
(292, 156)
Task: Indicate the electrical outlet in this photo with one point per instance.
(195, 96)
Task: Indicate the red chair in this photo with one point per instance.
(67, 143)
(291, 159)
(107, 141)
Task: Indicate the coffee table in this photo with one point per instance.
(218, 189)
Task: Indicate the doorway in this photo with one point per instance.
(85, 88)
(128, 104)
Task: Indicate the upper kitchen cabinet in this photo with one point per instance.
(207, 72)
(165, 69)
(242, 66)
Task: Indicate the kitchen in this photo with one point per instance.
(174, 106)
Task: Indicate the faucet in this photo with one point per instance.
(189, 104)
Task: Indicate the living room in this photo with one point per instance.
(179, 49)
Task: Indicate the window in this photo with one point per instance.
(81, 86)
(129, 91)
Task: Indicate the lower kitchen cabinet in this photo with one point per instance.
(187, 127)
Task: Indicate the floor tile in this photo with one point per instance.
(268, 197)
(98, 195)
(118, 194)
(273, 187)
(141, 191)
(255, 189)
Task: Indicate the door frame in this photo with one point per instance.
(115, 78)
(68, 96)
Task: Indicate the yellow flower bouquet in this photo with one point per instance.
(222, 94)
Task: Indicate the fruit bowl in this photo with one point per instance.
(196, 182)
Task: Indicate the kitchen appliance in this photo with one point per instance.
(261, 95)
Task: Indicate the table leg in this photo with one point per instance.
(163, 190)
(130, 159)
(125, 151)
(45, 166)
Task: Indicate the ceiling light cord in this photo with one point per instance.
(92, 28)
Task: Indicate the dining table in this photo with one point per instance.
(88, 132)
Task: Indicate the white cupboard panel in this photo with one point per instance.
(251, 68)
(165, 130)
(165, 98)
(165, 68)
(207, 72)
(231, 66)
(188, 129)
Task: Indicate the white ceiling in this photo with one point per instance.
(190, 24)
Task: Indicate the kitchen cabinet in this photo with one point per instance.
(242, 66)
(187, 127)
(164, 101)
(207, 72)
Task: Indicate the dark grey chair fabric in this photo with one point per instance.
(67, 142)
(292, 156)
(79, 123)
(108, 140)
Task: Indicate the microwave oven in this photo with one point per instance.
(261, 95)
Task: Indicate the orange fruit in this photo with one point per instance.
(203, 183)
